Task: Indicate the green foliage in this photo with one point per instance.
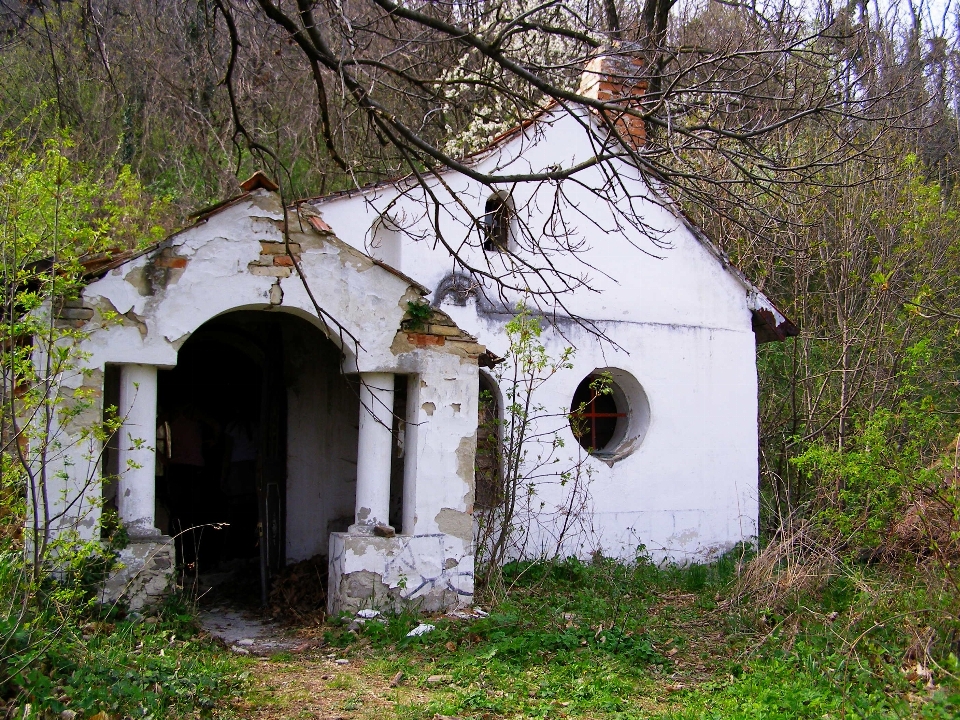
(61, 649)
(419, 313)
(153, 667)
(55, 207)
(608, 639)
(54, 214)
(529, 453)
(894, 456)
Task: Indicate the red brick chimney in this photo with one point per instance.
(615, 75)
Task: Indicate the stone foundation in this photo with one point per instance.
(148, 565)
(426, 573)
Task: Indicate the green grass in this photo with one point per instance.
(617, 641)
(151, 667)
(571, 639)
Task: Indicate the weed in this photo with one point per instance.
(152, 666)
(609, 640)
(419, 313)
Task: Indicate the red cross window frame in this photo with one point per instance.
(591, 414)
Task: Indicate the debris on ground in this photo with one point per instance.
(421, 629)
(244, 633)
(468, 614)
(298, 591)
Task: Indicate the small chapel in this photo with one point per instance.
(312, 380)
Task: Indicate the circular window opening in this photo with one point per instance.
(609, 413)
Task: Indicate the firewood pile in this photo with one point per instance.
(299, 591)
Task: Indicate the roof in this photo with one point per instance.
(97, 265)
(769, 322)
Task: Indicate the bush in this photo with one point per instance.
(63, 651)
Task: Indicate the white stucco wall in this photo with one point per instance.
(674, 317)
(322, 412)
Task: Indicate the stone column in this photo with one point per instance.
(374, 451)
(136, 493)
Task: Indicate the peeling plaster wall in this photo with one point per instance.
(391, 573)
(441, 427)
(219, 274)
(431, 565)
(144, 310)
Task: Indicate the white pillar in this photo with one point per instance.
(136, 493)
(374, 451)
(411, 453)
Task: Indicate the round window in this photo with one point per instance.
(609, 413)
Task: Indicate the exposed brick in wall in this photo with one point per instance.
(73, 313)
(441, 331)
(274, 260)
(169, 259)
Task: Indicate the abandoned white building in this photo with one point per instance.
(321, 413)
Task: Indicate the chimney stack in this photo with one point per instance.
(613, 76)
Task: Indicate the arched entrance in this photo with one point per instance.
(257, 440)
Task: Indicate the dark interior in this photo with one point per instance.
(221, 477)
(593, 416)
(209, 390)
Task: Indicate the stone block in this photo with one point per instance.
(76, 313)
(426, 573)
(147, 573)
(445, 330)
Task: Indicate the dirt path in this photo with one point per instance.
(246, 633)
(322, 688)
(293, 677)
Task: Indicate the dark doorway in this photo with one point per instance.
(222, 448)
